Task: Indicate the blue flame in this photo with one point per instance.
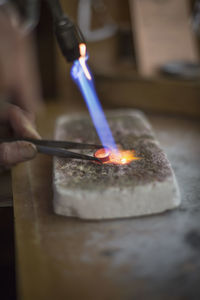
(88, 91)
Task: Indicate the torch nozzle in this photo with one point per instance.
(68, 35)
(69, 38)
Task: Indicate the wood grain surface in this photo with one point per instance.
(145, 258)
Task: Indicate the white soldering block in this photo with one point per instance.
(88, 190)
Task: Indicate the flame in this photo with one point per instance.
(117, 157)
(82, 77)
(87, 88)
(122, 157)
(82, 60)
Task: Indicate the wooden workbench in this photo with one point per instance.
(153, 257)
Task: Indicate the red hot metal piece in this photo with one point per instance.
(103, 154)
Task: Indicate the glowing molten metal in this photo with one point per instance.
(117, 157)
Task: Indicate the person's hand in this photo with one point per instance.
(19, 123)
(18, 82)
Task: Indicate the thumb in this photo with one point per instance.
(15, 152)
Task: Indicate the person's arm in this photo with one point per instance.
(19, 80)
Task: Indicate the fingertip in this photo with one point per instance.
(21, 123)
(31, 132)
(27, 150)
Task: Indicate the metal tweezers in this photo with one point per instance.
(58, 148)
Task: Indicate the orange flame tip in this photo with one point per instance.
(82, 60)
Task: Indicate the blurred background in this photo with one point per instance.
(143, 54)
